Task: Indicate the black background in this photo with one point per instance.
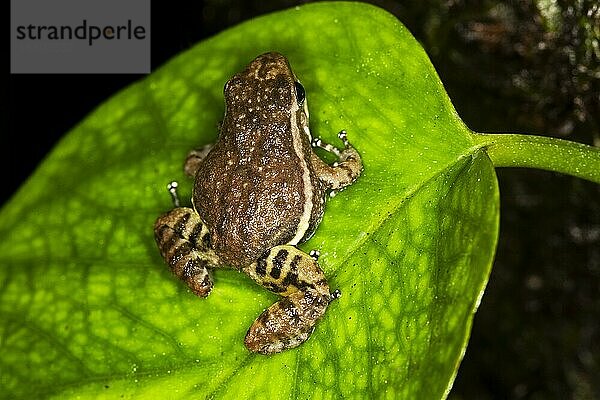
(43, 107)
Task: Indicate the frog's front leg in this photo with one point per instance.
(289, 322)
(184, 240)
(194, 158)
(344, 171)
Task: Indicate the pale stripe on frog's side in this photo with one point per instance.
(304, 222)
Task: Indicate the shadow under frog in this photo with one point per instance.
(258, 192)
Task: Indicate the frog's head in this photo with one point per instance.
(267, 92)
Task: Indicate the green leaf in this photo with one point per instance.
(89, 309)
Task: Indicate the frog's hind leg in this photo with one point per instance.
(184, 241)
(289, 322)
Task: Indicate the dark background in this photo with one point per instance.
(508, 66)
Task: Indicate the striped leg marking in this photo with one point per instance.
(289, 322)
(184, 243)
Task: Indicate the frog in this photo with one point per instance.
(259, 191)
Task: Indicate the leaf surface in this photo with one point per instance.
(89, 309)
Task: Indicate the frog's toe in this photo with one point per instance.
(287, 323)
(200, 282)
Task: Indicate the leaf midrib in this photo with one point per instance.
(408, 194)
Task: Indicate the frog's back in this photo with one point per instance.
(254, 199)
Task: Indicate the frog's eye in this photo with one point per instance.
(300, 93)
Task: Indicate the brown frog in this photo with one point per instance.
(258, 192)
